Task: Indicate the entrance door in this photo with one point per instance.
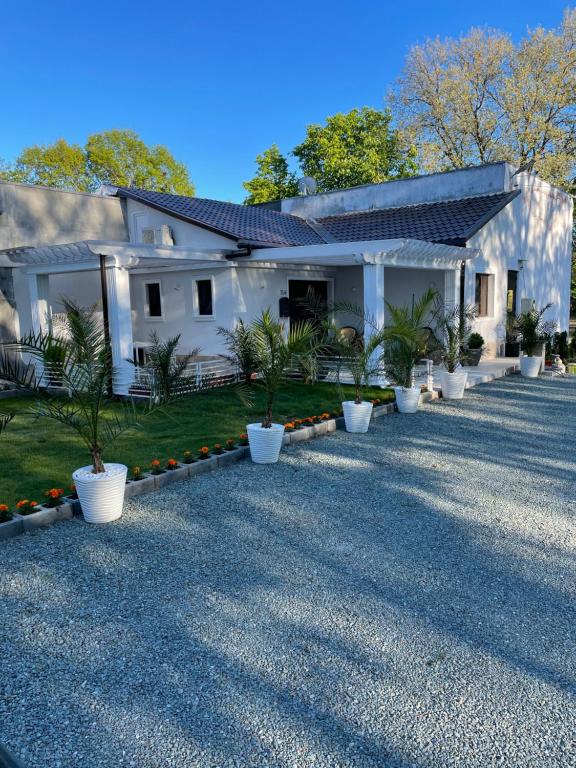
(303, 294)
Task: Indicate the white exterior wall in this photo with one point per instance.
(237, 293)
(468, 182)
(535, 227)
(142, 216)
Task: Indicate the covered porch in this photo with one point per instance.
(370, 273)
(98, 273)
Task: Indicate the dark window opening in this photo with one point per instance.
(483, 295)
(204, 293)
(154, 300)
(512, 291)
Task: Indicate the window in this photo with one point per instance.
(204, 298)
(153, 300)
(512, 291)
(484, 295)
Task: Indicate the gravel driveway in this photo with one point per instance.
(403, 598)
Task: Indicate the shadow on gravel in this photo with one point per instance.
(274, 631)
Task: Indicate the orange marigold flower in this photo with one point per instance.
(172, 463)
(230, 442)
(33, 503)
(155, 463)
(204, 449)
(244, 435)
(217, 445)
(22, 503)
(325, 415)
(3, 507)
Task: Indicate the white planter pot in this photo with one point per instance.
(357, 415)
(407, 399)
(453, 384)
(101, 496)
(530, 366)
(265, 444)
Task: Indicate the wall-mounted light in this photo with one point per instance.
(521, 263)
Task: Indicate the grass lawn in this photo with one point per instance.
(36, 454)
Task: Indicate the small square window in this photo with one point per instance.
(153, 300)
(204, 298)
(484, 295)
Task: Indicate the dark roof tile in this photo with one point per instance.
(451, 222)
(240, 222)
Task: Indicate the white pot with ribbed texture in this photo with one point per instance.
(357, 415)
(407, 399)
(101, 496)
(453, 384)
(265, 442)
(530, 366)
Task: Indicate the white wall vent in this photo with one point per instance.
(160, 236)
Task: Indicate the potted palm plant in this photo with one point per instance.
(406, 341)
(453, 327)
(533, 331)
(85, 372)
(274, 352)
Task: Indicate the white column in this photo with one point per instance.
(451, 288)
(39, 293)
(120, 325)
(374, 307)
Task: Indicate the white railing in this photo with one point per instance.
(199, 374)
(332, 369)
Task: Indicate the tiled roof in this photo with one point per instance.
(239, 222)
(451, 222)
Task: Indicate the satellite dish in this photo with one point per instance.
(307, 185)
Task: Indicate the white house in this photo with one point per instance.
(484, 235)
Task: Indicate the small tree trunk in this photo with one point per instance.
(97, 462)
(267, 421)
(358, 398)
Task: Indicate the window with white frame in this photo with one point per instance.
(484, 297)
(204, 299)
(153, 294)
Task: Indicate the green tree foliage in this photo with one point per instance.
(483, 98)
(59, 165)
(357, 147)
(122, 158)
(273, 179)
(111, 157)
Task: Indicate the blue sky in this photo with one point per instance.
(216, 82)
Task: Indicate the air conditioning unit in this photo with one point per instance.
(160, 236)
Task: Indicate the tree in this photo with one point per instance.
(357, 147)
(481, 98)
(59, 165)
(122, 158)
(273, 179)
(112, 157)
